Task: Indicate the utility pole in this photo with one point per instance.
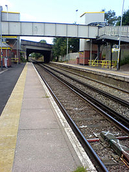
(67, 51)
(118, 59)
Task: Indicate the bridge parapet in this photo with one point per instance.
(35, 44)
(114, 31)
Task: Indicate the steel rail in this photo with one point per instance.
(87, 147)
(118, 119)
(112, 97)
(86, 77)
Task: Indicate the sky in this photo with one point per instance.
(60, 11)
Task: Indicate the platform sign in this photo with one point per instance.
(115, 50)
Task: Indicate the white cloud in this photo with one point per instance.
(27, 17)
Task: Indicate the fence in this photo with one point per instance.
(14, 60)
(103, 63)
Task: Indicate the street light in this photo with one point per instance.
(76, 17)
(118, 59)
(1, 37)
(7, 11)
(5, 60)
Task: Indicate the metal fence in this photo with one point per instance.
(14, 60)
(103, 63)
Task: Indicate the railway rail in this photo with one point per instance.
(83, 74)
(92, 126)
(121, 101)
(98, 99)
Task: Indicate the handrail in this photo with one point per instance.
(114, 31)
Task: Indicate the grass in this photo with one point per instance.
(80, 169)
(46, 96)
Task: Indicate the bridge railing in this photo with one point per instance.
(114, 31)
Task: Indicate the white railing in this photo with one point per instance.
(114, 31)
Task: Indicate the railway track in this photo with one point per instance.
(104, 88)
(83, 74)
(119, 108)
(91, 125)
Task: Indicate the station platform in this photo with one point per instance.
(34, 135)
(118, 78)
(121, 73)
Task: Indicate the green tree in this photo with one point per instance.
(36, 55)
(125, 19)
(57, 43)
(74, 45)
(110, 17)
(43, 41)
(60, 46)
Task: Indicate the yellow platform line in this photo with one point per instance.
(9, 122)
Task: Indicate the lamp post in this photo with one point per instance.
(7, 47)
(1, 37)
(7, 11)
(76, 17)
(67, 50)
(118, 59)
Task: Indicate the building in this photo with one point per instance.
(10, 44)
(89, 48)
(6, 50)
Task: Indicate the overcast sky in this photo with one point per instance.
(62, 11)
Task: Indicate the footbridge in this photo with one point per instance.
(30, 46)
(114, 33)
(44, 29)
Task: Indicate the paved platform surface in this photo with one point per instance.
(34, 136)
(8, 79)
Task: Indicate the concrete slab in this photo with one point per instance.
(45, 141)
(37, 119)
(42, 144)
(33, 93)
(43, 150)
(35, 103)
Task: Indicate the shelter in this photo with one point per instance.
(6, 54)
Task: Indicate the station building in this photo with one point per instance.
(6, 50)
(10, 44)
(90, 49)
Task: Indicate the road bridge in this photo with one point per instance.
(30, 46)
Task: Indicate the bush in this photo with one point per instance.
(22, 59)
(124, 61)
